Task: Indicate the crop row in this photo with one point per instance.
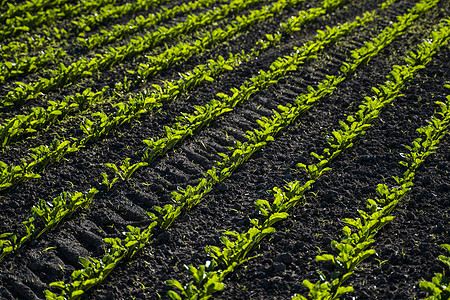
(110, 12)
(94, 270)
(236, 253)
(125, 170)
(26, 65)
(19, 24)
(29, 6)
(43, 156)
(351, 250)
(125, 113)
(237, 248)
(85, 67)
(80, 26)
(16, 49)
(25, 124)
(50, 214)
(353, 247)
(141, 23)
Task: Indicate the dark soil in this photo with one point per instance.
(407, 248)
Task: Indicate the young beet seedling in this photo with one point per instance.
(123, 172)
(439, 287)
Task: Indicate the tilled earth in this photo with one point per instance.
(407, 249)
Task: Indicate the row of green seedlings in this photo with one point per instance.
(30, 6)
(39, 117)
(241, 151)
(30, 44)
(85, 67)
(107, 11)
(26, 65)
(20, 125)
(190, 124)
(257, 139)
(236, 253)
(45, 215)
(141, 23)
(126, 170)
(354, 247)
(81, 25)
(98, 269)
(183, 51)
(111, 12)
(186, 50)
(65, 77)
(11, 175)
(163, 222)
(439, 287)
(20, 24)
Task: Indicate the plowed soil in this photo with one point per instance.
(407, 249)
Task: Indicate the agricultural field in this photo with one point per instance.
(229, 149)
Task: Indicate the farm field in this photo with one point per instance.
(228, 149)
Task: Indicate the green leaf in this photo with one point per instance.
(325, 257)
(84, 262)
(76, 294)
(175, 283)
(263, 207)
(174, 296)
(56, 113)
(347, 231)
(215, 287)
(428, 287)
(276, 217)
(58, 284)
(109, 268)
(343, 290)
